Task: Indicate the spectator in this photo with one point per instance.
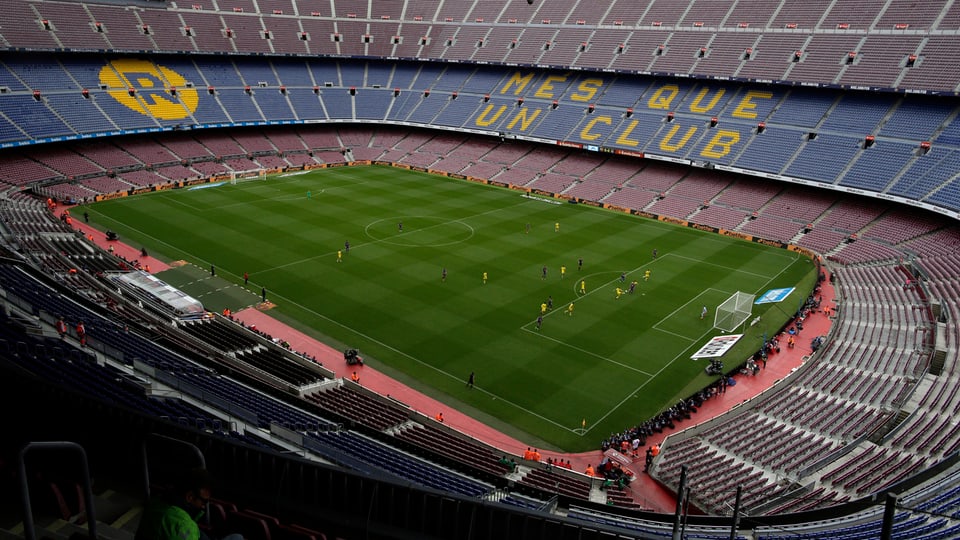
(82, 334)
(175, 517)
(62, 328)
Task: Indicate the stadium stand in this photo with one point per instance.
(780, 149)
(199, 89)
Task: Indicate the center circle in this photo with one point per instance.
(419, 231)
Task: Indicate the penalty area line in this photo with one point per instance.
(584, 351)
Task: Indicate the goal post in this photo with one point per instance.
(252, 174)
(734, 311)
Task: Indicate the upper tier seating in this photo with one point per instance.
(820, 136)
(710, 38)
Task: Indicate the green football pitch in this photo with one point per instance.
(567, 385)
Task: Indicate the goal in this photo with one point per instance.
(734, 311)
(252, 174)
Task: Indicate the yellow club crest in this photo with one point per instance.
(149, 89)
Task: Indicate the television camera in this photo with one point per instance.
(715, 367)
(352, 357)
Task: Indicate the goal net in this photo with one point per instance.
(252, 174)
(734, 311)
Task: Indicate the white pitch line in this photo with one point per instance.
(688, 302)
(417, 360)
(648, 381)
(675, 358)
(737, 270)
(175, 200)
(769, 281)
(384, 240)
(401, 353)
(674, 334)
(384, 345)
(584, 351)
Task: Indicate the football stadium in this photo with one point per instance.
(413, 269)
